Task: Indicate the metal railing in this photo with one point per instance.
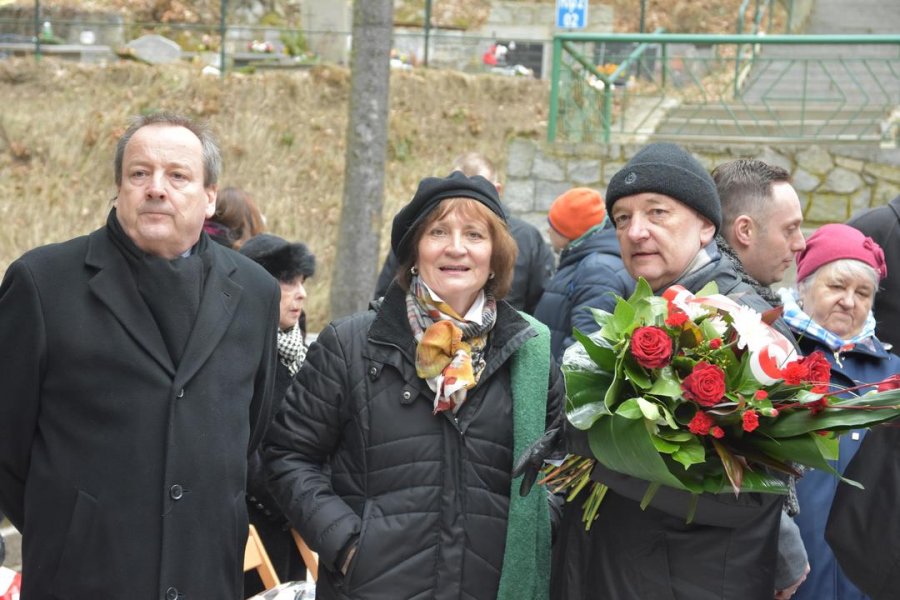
(841, 88)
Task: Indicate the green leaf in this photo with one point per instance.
(636, 374)
(622, 318)
(582, 417)
(630, 409)
(676, 436)
(666, 384)
(600, 352)
(624, 445)
(586, 386)
(664, 446)
(648, 495)
(801, 420)
(805, 449)
(641, 290)
(649, 409)
(709, 289)
(600, 316)
(759, 481)
(691, 452)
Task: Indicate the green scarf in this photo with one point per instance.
(526, 559)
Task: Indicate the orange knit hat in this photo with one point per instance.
(576, 211)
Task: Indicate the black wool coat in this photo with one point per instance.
(882, 224)
(124, 473)
(357, 454)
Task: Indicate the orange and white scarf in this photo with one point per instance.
(450, 348)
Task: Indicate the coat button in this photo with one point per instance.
(176, 492)
(180, 393)
(406, 395)
(373, 371)
(171, 594)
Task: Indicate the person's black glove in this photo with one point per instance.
(531, 462)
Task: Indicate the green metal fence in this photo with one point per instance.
(784, 88)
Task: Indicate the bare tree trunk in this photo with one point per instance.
(356, 259)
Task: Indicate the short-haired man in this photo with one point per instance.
(761, 219)
(534, 261)
(666, 212)
(137, 368)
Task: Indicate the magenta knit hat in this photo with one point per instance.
(834, 242)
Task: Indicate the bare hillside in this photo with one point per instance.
(283, 136)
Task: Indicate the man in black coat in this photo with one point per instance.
(138, 364)
(882, 224)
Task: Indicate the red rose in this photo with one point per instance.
(751, 420)
(794, 373)
(818, 371)
(705, 385)
(651, 347)
(761, 394)
(717, 432)
(701, 423)
(715, 343)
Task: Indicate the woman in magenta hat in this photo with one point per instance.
(838, 274)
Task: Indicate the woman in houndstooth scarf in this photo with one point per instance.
(291, 264)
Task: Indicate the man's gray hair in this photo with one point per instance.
(745, 188)
(475, 163)
(212, 157)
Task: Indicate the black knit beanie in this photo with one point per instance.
(667, 169)
(283, 260)
(429, 194)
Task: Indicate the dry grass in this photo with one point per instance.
(283, 137)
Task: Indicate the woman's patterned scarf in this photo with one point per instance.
(450, 350)
(291, 349)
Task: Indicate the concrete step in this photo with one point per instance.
(827, 131)
(813, 112)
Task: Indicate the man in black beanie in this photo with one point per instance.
(666, 212)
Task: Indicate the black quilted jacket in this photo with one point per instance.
(426, 495)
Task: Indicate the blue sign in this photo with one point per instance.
(571, 14)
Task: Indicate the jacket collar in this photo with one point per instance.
(114, 285)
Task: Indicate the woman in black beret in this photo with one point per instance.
(393, 456)
(291, 264)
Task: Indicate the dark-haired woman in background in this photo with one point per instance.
(291, 264)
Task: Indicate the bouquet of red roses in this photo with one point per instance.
(702, 394)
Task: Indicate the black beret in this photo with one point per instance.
(283, 260)
(667, 169)
(429, 194)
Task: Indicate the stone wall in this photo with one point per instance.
(833, 182)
